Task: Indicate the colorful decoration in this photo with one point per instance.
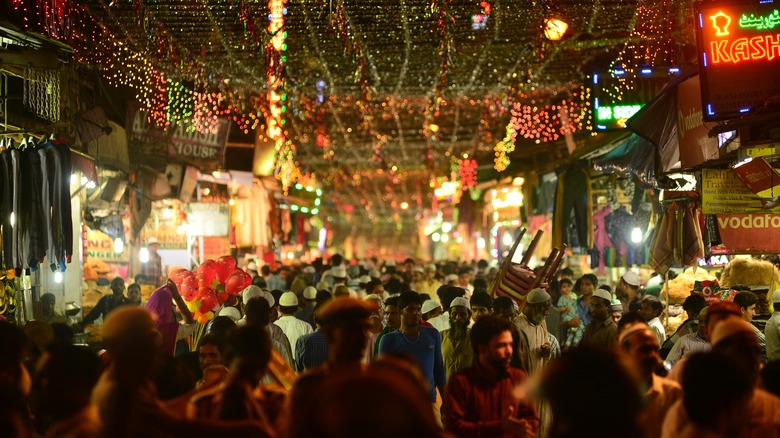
(468, 173)
(651, 42)
(206, 290)
(504, 148)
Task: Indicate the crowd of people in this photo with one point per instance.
(414, 350)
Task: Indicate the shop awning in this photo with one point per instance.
(672, 123)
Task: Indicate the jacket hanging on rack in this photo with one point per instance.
(36, 209)
(573, 197)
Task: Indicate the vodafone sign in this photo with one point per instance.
(749, 233)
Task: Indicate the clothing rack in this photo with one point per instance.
(689, 195)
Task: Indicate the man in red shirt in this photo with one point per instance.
(483, 400)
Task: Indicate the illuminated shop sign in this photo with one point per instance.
(614, 101)
(606, 113)
(739, 55)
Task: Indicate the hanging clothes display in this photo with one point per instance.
(678, 238)
(601, 241)
(573, 197)
(251, 213)
(37, 223)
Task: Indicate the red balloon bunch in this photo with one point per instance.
(210, 286)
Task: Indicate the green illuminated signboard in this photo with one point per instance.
(618, 94)
(616, 113)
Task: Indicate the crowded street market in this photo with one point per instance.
(390, 218)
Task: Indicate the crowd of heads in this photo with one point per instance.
(241, 377)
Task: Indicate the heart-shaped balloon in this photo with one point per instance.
(229, 260)
(223, 271)
(178, 276)
(189, 288)
(207, 273)
(208, 300)
(234, 284)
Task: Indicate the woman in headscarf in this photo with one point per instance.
(161, 305)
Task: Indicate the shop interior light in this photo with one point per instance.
(74, 178)
(446, 227)
(119, 246)
(507, 239)
(232, 201)
(460, 240)
(636, 235)
(481, 243)
(143, 255)
(445, 238)
(58, 277)
(436, 237)
(404, 206)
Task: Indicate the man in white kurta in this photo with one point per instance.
(531, 324)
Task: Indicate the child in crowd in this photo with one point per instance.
(567, 304)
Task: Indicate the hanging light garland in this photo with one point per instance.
(286, 168)
(546, 123)
(504, 148)
(651, 41)
(467, 169)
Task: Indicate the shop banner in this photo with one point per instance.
(100, 246)
(165, 224)
(696, 146)
(722, 192)
(181, 142)
(750, 233)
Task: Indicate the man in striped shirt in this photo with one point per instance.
(311, 350)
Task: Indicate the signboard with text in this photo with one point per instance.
(180, 142)
(739, 55)
(696, 146)
(164, 224)
(722, 192)
(100, 246)
(614, 101)
(756, 233)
